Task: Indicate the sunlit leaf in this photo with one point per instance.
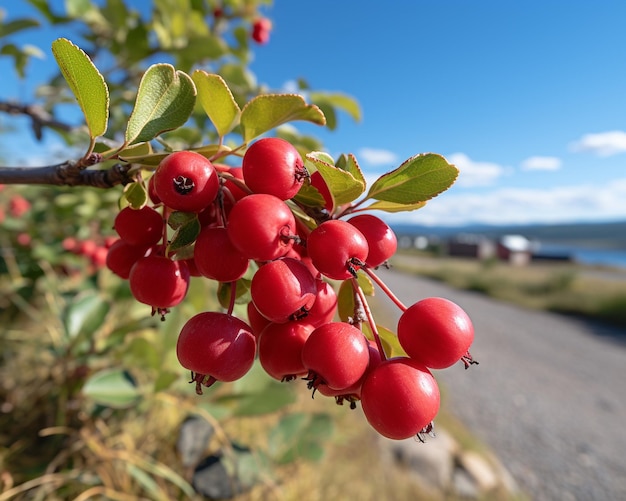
(86, 83)
(136, 195)
(394, 207)
(265, 112)
(343, 186)
(165, 100)
(346, 301)
(217, 101)
(418, 179)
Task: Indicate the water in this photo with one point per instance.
(586, 255)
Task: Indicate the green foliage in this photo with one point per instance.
(165, 100)
(86, 83)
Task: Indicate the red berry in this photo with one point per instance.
(336, 354)
(262, 227)
(337, 249)
(257, 321)
(273, 166)
(280, 349)
(353, 393)
(143, 227)
(261, 28)
(400, 398)
(121, 257)
(216, 347)
(435, 332)
(325, 305)
(158, 281)
(381, 239)
(186, 181)
(283, 290)
(216, 257)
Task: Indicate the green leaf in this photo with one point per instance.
(16, 25)
(112, 388)
(390, 342)
(217, 101)
(343, 186)
(337, 100)
(164, 380)
(136, 195)
(241, 296)
(346, 297)
(267, 111)
(165, 100)
(349, 163)
(187, 226)
(418, 179)
(86, 83)
(299, 436)
(394, 207)
(86, 314)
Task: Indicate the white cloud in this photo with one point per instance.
(377, 157)
(603, 144)
(524, 205)
(541, 163)
(473, 173)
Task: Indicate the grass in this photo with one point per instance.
(590, 292)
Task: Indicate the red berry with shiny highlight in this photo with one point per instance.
(216, 347)
(141, 227)
(262, 227)
(436, 332)
(158, 281)
(400, 398)
(186, 181)
(337, 249)
(283, 290)
(381, 239)
(272, 165)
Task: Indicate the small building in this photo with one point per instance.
(471, 245)
(516, 249)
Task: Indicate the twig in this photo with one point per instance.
(69, 173)
(39, 116)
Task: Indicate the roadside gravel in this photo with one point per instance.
(549, 395)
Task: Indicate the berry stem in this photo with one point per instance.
(370, 317)
(384, 288)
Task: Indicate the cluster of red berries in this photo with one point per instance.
(248, 217)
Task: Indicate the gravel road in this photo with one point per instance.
(549, 395)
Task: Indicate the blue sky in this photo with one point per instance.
(528, 99)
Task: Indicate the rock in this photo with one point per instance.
(193, 438)
(432, 462)
(479, 469)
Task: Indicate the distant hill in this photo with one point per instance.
(609, 235)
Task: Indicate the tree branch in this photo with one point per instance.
(68, 173)
(39, 116)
